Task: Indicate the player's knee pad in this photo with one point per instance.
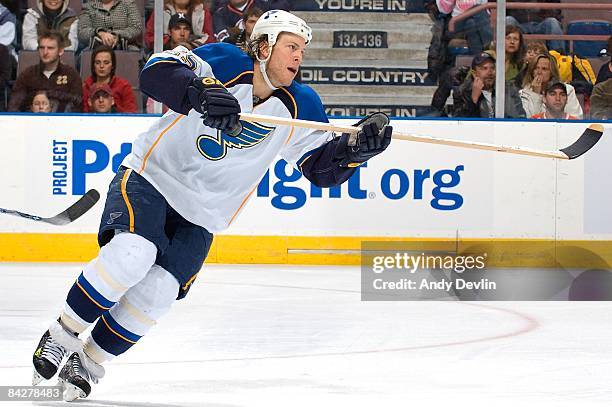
(133, 315)
(122, 263)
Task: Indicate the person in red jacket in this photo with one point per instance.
(200, 17)
(103, 64)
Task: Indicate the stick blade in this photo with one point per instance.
(585, 142)
(85, 203)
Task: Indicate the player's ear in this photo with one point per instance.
(264, 50)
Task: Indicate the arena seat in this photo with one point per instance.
(589, 27)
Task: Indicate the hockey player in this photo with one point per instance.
(188, 177)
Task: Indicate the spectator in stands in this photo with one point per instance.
(538, 21)
(476, 29)
(601, 100)
(114, 23)
(240, 36)
(40, 103)
(7, 50)
(199, 16)
(555, 99)
(180, 33)
(50, 15)
(101, 99)
(230, 15)
(269, 4)
(103, 66)
(476, 95)
(539, 74)
(62, 82)
(605, 72)
(515, 52)
(534, 48)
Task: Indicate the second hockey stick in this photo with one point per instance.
(75, 211)
(584, 143)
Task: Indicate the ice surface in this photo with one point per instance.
(300, 336)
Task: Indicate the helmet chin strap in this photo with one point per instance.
(262, 69)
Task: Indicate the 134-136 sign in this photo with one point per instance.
(360, 39)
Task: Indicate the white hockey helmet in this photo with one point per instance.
(274, 22)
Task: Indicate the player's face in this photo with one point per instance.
(102, 102)
(486, 72)
(287, 55)
(41, 104)
(555, 100)
(53, 4)
(103, 65)
(180, 34)
(49, 51)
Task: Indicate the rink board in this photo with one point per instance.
(522, 211)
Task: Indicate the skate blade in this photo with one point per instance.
(36, 378)
(71, 392)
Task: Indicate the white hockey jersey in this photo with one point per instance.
(207, 176)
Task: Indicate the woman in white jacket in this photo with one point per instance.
(541, 70)
(50, 15)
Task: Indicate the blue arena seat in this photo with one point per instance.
(589, 27)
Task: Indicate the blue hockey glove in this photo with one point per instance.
(373, 138)
(218, 106)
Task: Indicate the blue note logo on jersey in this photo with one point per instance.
(215, 147)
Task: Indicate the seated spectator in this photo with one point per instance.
(515, 52)
(40, 103)
(240, 36)
(601, 100)
(269, 4)
(476, 95)
(114, 23)
(538, 21)
(103, 65)
(62, 82)
(230, 15)
(50, 15)
(180, 33)
(199, 16)
(7, 50)
(476, 29)
(605, 72)
(539, 74)
(101, 99)
(555, 99)
(534, 48)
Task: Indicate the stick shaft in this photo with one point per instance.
(404, 136)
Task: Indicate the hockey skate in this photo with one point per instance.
(47, 358)
(75, 379)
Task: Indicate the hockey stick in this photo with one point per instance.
(585, 142)
(85, 203)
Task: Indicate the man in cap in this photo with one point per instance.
(555, 99)
(101, 99)
(476, 95)
(180, 31)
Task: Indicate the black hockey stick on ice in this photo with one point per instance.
(85, 203)
(585, 142)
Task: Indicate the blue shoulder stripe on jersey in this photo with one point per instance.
(227, 61)
(309, 105)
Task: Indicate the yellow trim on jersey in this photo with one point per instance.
(115, 332)
(290, 135)
(191, 280)
(293, 100)
(146, 157)
(126, 175)
(226, 84)
(91, 299)
(244, 201)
